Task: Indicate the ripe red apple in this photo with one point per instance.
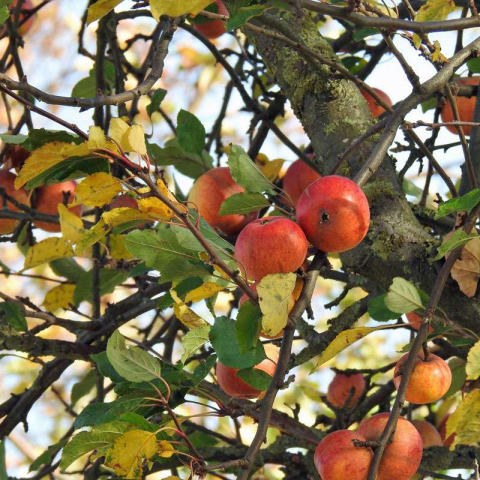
(340, 387)
(123, 201)
(270, 245)
(294, 297)
(234, 386)
(208, 194)
(298, 177)
(442, 429)
(48, 199)
(415, 321)
(430, 435)
(27, 25)
(337, 458)
(214, 28)
(334, 214)
(465, 106)
(402, 457)
(429, 381)
(7, 180)
(374, 107)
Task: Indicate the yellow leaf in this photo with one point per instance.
(47, 250)
(165, 449)
(58, 297)
(92, 236)
(100, 9)
(71, 224)
(118, 128)
(274, 294)
(133, 140)
(96, 136)
(206, 257)
(344, 340)
(473, 362)
(175, 8)
(435, 10)
(272, 168)
(119, 216)
(118, 249)
(97, 190)
(129, 451)
(465, 421)
(155, 207)
(185, 314)
(48, 156)
(207, 290)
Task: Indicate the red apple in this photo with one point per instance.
(415, 321)
(465, 106)
(270, 245)
(430, 435)
(429, 381)
(27, 25)
(234, 386)
(208, 194)
(214, 28)
(48, 199)
(337, 458)
(442, 429)
(402, 457)
(7, 180)
(334, 214)
(294, 297)
(123, 201)
(374, 107)
(298, 177)
(15, 157)
(340, 387)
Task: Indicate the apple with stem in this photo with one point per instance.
(48, 199)
(430, 379)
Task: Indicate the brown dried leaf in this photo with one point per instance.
(466, 270)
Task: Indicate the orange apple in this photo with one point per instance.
(7, 180)
(374, 107)
(214, 28)
(340, 388)
(430, 435)
(415, 321)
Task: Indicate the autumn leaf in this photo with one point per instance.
(97, 190)
(96, 136)
(175, 8)
(118, 250)
(59, 297)
(47, 250)
(129, 451)
(435, 10)
(70, 224)
(155, 208)
(46, 157)
(473, 362)
(165, 449)
(270, 168)
(466, 270)
(100, 9)
(465, 421)
(185, 314)
(119, 216)
(207, 290)
(92, 236)
(130, 138)
(274, 294)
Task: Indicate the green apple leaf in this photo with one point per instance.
(194, 340)
(465, 203)
(248, 326)
(256, 378)
(402, 296)
(243, 203)
(190, 133)
(458, 239)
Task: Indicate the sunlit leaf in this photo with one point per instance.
(175, 8)
(96, 136)
(402, 296)
(185, 314)
(70, 224)
(91, 236)
(193, 340)
(97, 190)
(100, 9)
(466, 270)
(202, 292)
(243, 203)
(465, 421)
(458, 239)
(59, 297)
(47, 250)
(473, 362)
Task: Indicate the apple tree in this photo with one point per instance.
(165, 273)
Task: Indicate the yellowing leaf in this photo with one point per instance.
(118, 128)
(155, 207)
(133, 140)
(118, 249)
(48, 156)
(58, 297)
(129, 451)
(344, 340)
(165, 449)
(96, 136)
(175, 8)
(97, 190)
(272, 168)
(465, 421)
(435, 10)
(207, 290)
(185, 314)
(100, 9)
(193, 340)
(119, 216)
(71, 224)
(274, 296)
(466, 270)
(473, 362)
(92, 236)
(47, 250)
